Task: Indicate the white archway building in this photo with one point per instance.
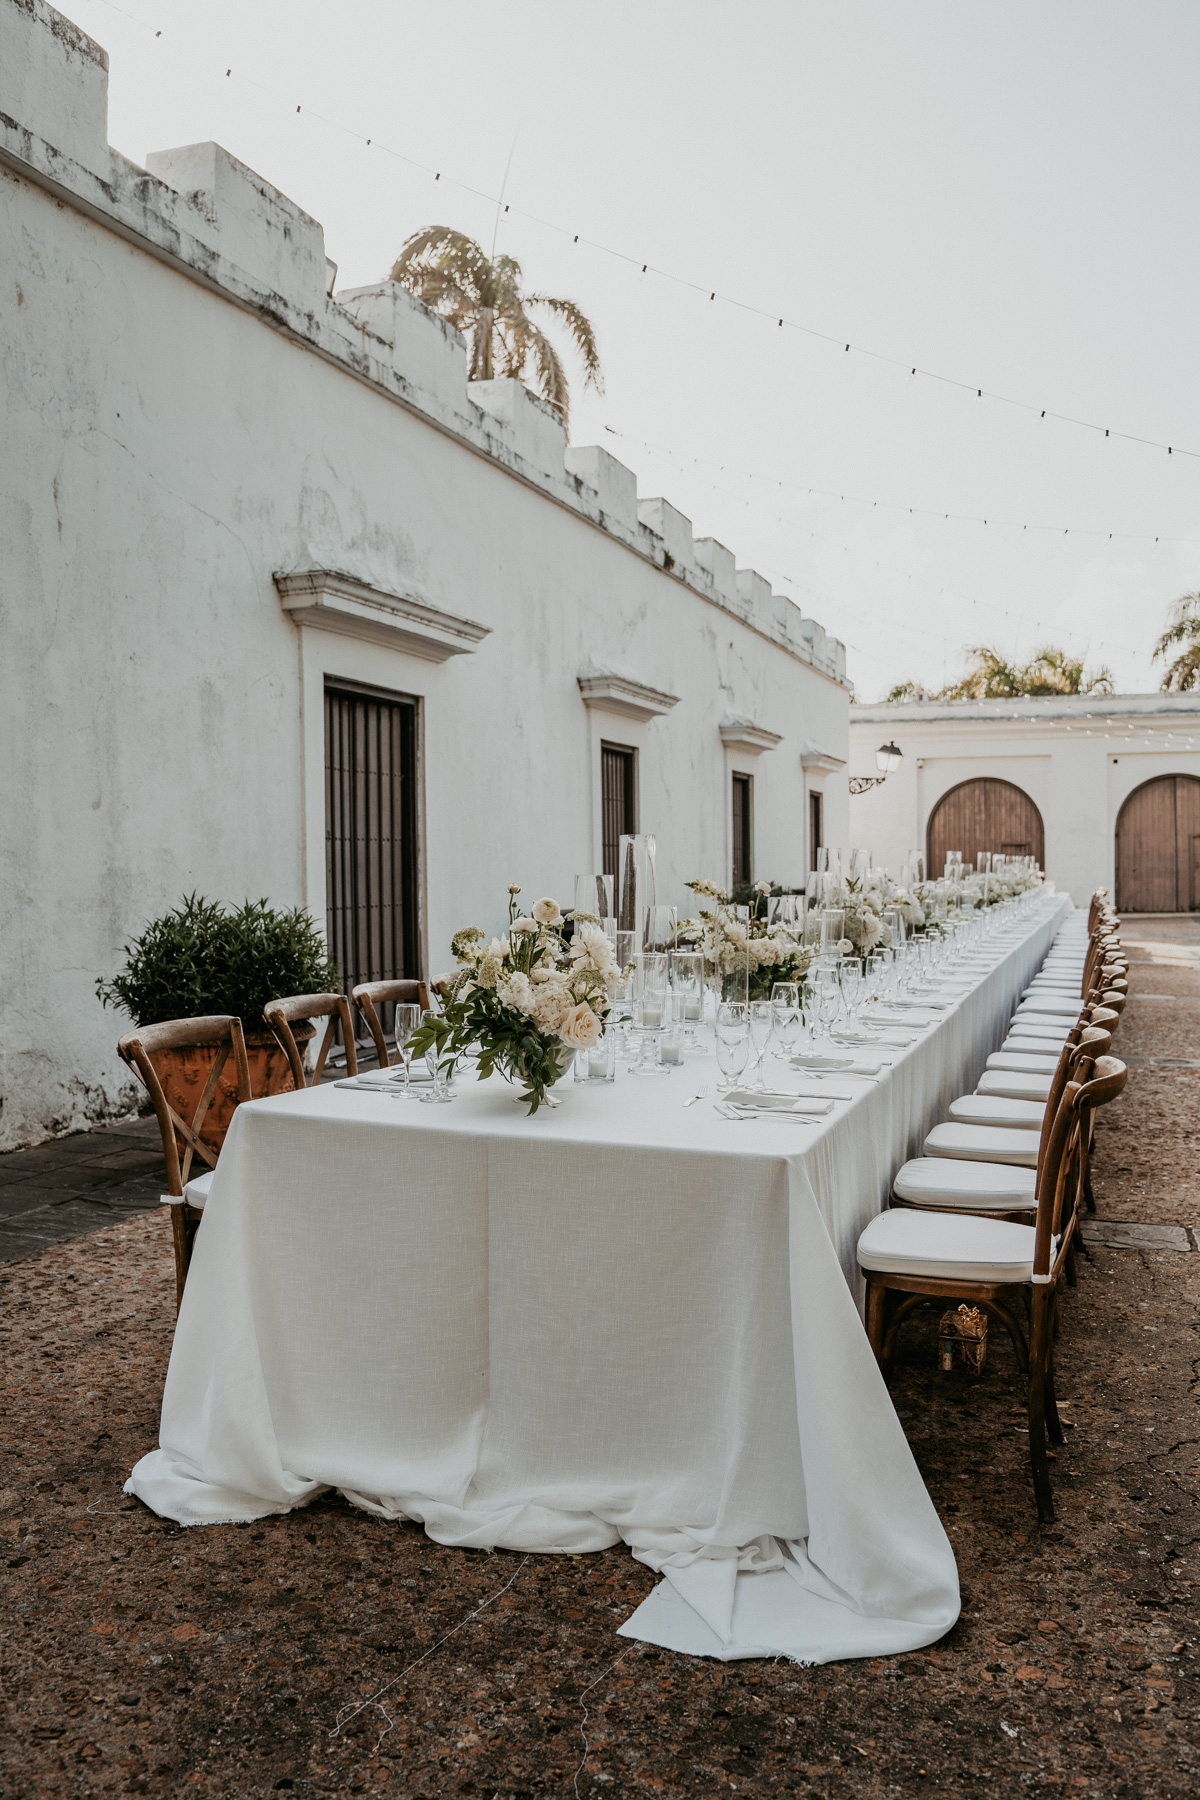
(1078, 759)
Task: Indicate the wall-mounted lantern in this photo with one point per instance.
(887, 758)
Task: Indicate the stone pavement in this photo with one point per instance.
(140, 1658)
(74, 1185)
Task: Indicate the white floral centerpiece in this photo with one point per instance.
(771, 952)
(529, 999)
(863, 923)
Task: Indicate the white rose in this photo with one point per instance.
(580, 1028)
(547, 912)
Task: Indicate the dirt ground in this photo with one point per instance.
(139, 1658)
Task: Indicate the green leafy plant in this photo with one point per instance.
(202, 957)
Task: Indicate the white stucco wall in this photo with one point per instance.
(186, 414)
(1078, 758)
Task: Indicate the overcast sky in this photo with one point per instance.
(1004, 193)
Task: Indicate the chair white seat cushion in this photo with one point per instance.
(1017, 1044)
(1057, 1005)
(195, 1191)
(1066, 991)
(1022, 1062)
(958, 1181)
(985, 1143)
(995, 1109)
(1033, 1027)
(1010, 1084)
(1065, 1021)
(948, 1247)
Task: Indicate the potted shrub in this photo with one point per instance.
(203, 957)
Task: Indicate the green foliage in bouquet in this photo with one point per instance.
(202, 957)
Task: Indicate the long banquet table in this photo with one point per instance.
(620, 1319)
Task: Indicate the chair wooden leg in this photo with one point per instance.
(1040, 1388)
(184, 1223)
(877, 1296)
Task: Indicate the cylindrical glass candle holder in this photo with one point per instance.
(599, 1061)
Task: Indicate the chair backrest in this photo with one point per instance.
(1105, 1081)
(139, 1048)
(1085, 1043)
(368, 996)
(281, 1015)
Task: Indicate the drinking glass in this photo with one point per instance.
(408, 1018)
(877, 973)
(762, 1024)
(439, 1092)
(735, 980)
(733, 1041)
(687, 985)
(785, 1005)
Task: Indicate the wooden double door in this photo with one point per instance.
(1158, 847)
(979, 815)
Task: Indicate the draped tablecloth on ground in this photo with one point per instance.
(621, 1319)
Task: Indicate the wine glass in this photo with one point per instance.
(785, 1005)
(408, 1018)
(733, 1041)
(762, 1024)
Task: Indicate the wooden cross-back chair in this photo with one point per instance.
(990, 1263)
(138, 1048)
(281, 1015)
(368, 996)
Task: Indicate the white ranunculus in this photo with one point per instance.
(580, 1028)
(523, 926)
(547, 912)
(591, 945)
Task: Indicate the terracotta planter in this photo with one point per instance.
(183, 1074)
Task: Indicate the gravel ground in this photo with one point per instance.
(139, 1658)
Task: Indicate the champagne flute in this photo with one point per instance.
(408, 1018)
(762, 1025)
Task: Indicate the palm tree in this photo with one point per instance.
(989, 677)
(1184, 672)
(481, 296)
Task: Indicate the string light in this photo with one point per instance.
(749, 307)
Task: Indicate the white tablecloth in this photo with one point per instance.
(622, 1319)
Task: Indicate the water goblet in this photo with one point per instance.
(732, 1032)
(785, 1005)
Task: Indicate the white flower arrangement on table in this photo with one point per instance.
(863, 923)
(771, 952)
(529, 999)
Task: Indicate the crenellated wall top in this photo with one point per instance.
(218, 223)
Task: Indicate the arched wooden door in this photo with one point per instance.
(1158, 847)
(983, 815)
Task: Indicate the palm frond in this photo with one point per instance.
(582, 331)
(1183, 674)
(482, 298)
(1184, 626)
